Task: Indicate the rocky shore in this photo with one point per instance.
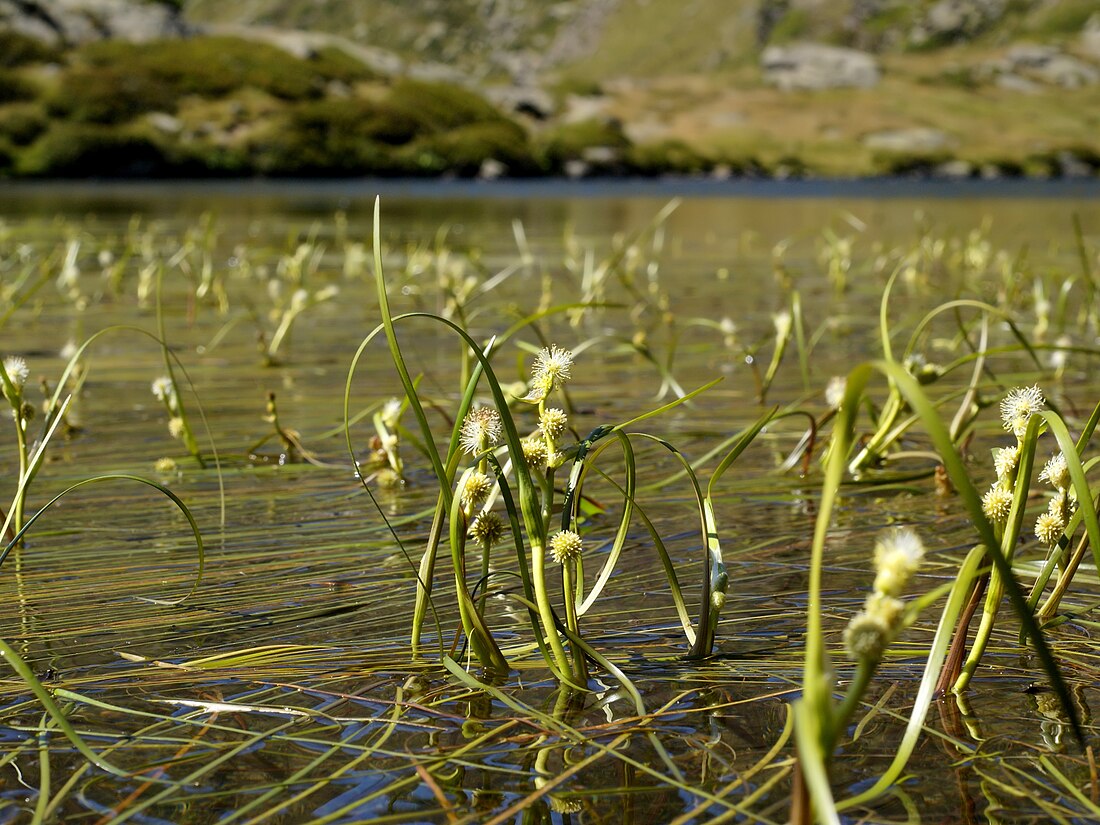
(954, 88)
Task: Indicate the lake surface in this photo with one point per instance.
(285, 686)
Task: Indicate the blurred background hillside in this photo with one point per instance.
(577, 88)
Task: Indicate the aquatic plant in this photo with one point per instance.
(561, 563)
(531, 463)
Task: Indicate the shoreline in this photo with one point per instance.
(556, 187)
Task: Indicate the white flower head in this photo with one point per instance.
(475, 489)
(1005, 460)
(554, 363)
(481, 429)
(565, 546)
(553, 422)
(535, 452)
(997, 504)
(1018, 406)
(1056, 472)
(164, 390)
(834, 391)
(487, 529)
(898, 554)
(782, 321)
(1049, 528)
(16, 368)
(299, 300)
(176, 427)
(391, 412)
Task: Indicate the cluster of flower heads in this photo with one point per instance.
(1017, 408)
(1051, 525)
(552, 368)
(898, 554)
(481, 431)
(164, 388)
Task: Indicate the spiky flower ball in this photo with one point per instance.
(176, 427)
(1049, 527)
(872, 629)
(480, 430)
(16, 368)
(565, 546)
(1018, 406)
(535, 452)
(898, 554)
(552, 368)
(1005, 460)
(866, 637)
(487, 529)
(997, 504)
(166, 466)
(1056, 472)
(475, 489)
(552, 422)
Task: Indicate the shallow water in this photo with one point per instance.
(307, 598)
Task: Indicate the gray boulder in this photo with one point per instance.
(816, 66)
(1090, 37)
(526, 100)
(1048, 65)
(918, 140)
(71, 22)
(950, 20)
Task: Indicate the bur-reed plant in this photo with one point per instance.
(498, 486)
(820, 720)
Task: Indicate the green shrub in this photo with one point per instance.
(568, 141)
(20, 123)
(111, 94)
(794, 25)
(1066, 17)
(463, 150)
(325, 137)
(334, 63)
(215, 66)
(83, 150)
(18, 49)
(908, 163)
(438, 107)
(667, 157)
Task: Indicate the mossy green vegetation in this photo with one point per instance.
(221, 105)
(226, 106)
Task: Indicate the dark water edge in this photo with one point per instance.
(185, 192)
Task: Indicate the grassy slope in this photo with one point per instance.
(690, 68)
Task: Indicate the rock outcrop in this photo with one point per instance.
(817, 66)
(72, 22)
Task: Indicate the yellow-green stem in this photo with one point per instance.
(981, 639)
(580, 669)
(542, 599)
